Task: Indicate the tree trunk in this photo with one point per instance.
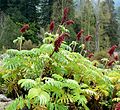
(97, 36)
(2, 17)
(96, 7)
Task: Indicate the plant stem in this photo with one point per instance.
(21, 43)
(74, 48)
(81, 51)
(52, 53)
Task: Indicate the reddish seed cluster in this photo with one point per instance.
(112, 49)
(52, 26)
(115, 55)
(66, 10)
(90, 55)
(117, 107)
(59, 41)
(69, 22)
(110, 62)
(79, 34)
(24, 28)
(88, 38)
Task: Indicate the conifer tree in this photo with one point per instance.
(113, 25)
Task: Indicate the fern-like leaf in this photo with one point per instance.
(118, 93)
(116, 100)
(58, 77)
(52, 82)
(89, 92)
(39, 95)
(26, 83)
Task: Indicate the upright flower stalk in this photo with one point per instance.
(88, 38)
(69, 22)
(90, 55)
(65, 15)
(23, 30)
(79, 34)
(52, 24)
(58, 42)
(110, 63)
(111, 50)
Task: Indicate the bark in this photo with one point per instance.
(1, 23)
(96, 7)
(97, 36)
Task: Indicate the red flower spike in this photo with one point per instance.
(88, 38)
(59, 41)
(110, 63)
(117, 107)
(112, 49)
(69, 22)
(24, 28)
(66, 10)
(79, 34)
(63, 20)
(90, 55)
(116, 56)
(52, 26)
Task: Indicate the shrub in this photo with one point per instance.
(28, 45)
(100, 55)
(54, 77)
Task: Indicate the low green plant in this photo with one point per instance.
(55, 92)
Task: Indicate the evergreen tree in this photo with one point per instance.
(118, 20)
(28, 9)
(21, 10)
(8, 31)
(3, 4)
(86, 18)
(111, 29)
(45, 12)
(104, 22)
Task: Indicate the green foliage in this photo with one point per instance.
(19, 104)
(32, 33)
(39, 96)
(8, 32)
(72, 78)
(27, 83)
(28, 45)
(100, 55)
(22, 64)
(59, 90)
(58, 80)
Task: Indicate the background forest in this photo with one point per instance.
(99, 18)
